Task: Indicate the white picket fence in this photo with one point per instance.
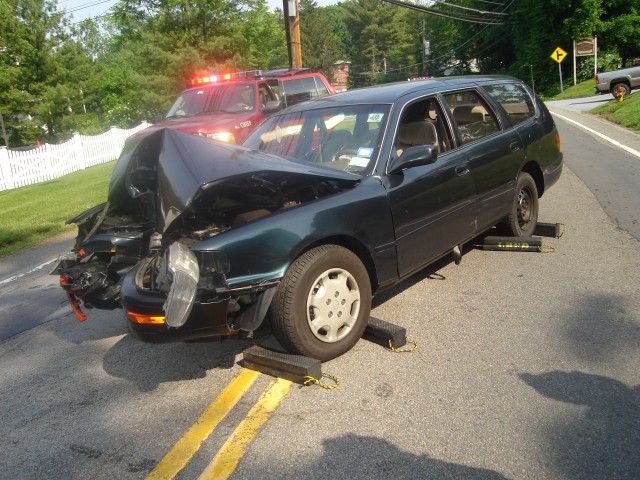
(19, 168)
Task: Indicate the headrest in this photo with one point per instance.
(417, 133)
(465, 114)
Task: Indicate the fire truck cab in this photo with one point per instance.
(229, 106)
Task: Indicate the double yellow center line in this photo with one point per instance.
(226, 460)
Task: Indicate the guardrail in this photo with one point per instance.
(19, 168)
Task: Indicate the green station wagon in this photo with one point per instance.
(324, 205)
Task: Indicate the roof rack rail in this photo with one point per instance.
(285, 72)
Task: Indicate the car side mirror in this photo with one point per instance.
(272, 106)
(415, 156)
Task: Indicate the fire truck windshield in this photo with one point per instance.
(212, 99)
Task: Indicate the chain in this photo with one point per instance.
(409, 340)
(309, 379)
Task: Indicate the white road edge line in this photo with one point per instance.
(35, 269)
(630, 150)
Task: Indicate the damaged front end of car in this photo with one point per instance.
(178, 245)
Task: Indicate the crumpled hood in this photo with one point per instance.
(160, 175)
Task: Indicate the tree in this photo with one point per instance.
(320, 45)
(30, 31)
(618, 28)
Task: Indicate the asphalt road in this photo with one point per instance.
(612, 174)
(528, 366)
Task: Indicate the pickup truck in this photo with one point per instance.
(627, 78)
(229, 106)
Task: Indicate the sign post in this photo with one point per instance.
(583, 48)
(557, 56)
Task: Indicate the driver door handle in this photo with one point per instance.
(462, 170)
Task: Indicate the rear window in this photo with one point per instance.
(515, 100)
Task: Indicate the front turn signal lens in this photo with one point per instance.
(144, 319)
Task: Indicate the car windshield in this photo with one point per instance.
(211, 99)
(344, 138)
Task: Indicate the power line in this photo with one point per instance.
(440, 13)
(88, 5)
(480, 48)
(442, 2)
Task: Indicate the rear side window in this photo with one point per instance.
(474, 118)
(515, 100)
(299, 89)
(322, 88)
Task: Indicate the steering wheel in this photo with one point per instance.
(241, 106)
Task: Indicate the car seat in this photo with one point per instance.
(416, 133)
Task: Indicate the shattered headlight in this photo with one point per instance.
(185, 273)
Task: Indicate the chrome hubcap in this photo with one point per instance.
(333, 305)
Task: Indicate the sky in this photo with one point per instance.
(82, 9)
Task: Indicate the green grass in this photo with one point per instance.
(32, 214)
(582, 89)
(625, 113)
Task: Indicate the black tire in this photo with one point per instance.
(522, 220)
(614, 87)
(328, 283)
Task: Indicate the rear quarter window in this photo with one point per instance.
(514, 99)
(322, 88)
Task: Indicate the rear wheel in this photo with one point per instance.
(323, 303)
(522, 220)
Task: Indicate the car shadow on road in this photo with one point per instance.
(148, 364)
(430, 272)
(379, 458)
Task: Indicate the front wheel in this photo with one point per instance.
(522, 220)
(323, 303)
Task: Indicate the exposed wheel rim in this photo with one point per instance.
(525, 207)
(333, 305)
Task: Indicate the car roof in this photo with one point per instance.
(391, 92)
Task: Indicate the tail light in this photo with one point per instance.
(597, 80)
(558, 141)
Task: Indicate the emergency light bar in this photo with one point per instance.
(226, 77)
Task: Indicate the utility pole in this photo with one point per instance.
(292, 27)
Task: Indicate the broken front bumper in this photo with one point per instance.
(230, 311)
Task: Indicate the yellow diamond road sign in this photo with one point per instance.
(558, 55)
